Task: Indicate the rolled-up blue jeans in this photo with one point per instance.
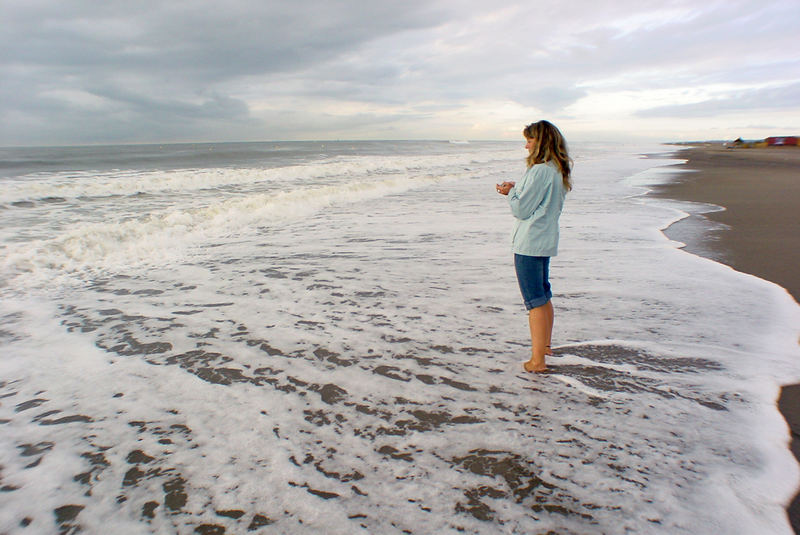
(533, 274)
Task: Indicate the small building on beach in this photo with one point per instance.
(774, 141)
(782, 141)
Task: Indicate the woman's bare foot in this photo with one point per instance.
(531, 367)
(548, 351)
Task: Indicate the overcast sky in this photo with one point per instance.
(113, 71)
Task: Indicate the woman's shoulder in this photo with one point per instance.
(547, 168)
(549, 164)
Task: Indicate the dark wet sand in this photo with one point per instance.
(760, 190)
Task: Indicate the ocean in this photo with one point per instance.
(327, 337)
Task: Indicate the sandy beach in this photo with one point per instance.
(760, 190)
(759, 231)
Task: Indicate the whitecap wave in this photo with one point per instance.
(158, 237)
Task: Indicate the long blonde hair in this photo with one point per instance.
(549, 145)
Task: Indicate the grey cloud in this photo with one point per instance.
(152, 60)
(551, 98)
(123, 116)
(202, 66)
(787, 96)
(202, 39)
(214, 107)
(716, 42)
(546, 62)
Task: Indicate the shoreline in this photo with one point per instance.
(759, 192)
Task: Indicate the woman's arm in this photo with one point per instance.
(526, 197)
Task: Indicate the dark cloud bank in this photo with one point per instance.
(89, 72)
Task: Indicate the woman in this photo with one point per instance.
(536, 204)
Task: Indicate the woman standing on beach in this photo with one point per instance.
(536, 204)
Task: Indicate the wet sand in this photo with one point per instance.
(757, 233)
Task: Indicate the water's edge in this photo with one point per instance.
(697, 234)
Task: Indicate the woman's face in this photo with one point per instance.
(529, 144)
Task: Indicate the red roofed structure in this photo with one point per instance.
(781, 141)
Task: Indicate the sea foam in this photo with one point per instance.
(344, 356)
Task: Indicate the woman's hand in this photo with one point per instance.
(504, 188)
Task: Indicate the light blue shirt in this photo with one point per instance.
(536, 202)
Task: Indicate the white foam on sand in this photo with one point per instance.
(357, 367)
